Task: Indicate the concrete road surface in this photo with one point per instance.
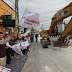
(52, 59)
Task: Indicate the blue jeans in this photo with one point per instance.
(26, 50)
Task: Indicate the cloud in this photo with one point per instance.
(46, 8)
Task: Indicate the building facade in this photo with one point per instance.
(5, 9)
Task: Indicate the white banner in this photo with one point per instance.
(25, 34)
(24, 45)
(3, 69)
(16, 48)
(29, 19)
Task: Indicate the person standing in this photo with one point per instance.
(8, 51)
(3, 49)
(12, 42)
(23, 50)
(36, 36)
(32, 37)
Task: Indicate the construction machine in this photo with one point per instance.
(64, 38)
(59, 17)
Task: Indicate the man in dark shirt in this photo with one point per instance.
(8, 52)
(12, 42)
(3, 49)
(36, 36)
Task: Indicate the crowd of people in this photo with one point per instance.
(6, 53)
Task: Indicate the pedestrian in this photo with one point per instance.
(29, 37)
(12, 42)
(3, 49)
(32, 37)
(23, 40)
(36, 36)
(8, 52)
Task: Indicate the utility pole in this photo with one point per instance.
(16, 18)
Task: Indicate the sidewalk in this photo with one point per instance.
(17, 63)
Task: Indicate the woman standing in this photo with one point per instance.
(12, 42)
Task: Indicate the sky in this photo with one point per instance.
(45, 8)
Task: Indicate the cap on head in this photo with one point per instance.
(6, 33)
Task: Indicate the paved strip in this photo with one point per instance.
(52, 59)
(17, 63)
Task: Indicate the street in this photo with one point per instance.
(52, 59)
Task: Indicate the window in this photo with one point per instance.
(66, 12)
(63, 13)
